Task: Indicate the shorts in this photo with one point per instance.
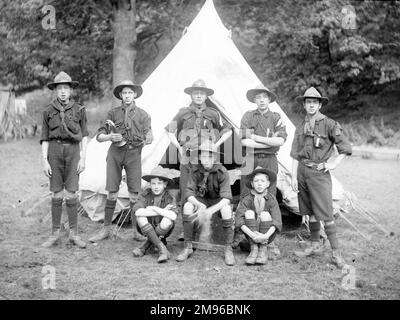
(126, 157)
(63, 158)
(209, 202)
(315, 193)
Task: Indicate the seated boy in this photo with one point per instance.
(258, 215)
(208, 191)
(155, 214)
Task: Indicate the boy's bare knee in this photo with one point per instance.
(265, 216)
(133, 196)
(70, 195)
(113, 196)
(165, 223)
(188, 208)
(226, 212)
(141, 221)
(58, 195)
(329, 223)
(139, 212)
(313, 218)
(249, 214)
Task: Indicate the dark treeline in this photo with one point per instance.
(346, 48)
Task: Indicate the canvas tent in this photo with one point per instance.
(205, 51)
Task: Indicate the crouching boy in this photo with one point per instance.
(258, 215)
(208, 191)
(155, 214)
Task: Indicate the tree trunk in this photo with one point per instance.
(124, 29)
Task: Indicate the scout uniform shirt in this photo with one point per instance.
(64, 122)
(213, 184)
(133, 123)
(266, 125)
(64, 126)
(313, 142)
(194, 125)
(248, 203)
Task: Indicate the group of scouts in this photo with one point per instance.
(196, 131)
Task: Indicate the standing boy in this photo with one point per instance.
(193, 125)
(156, 214)
(262, 132)
(208, 191)
(312, 147)
(258, 215)
(131, 131)
(63, 140)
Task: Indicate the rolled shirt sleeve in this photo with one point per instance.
(280, 128)
(225, 186)
(337, 136)
(175, 124)
(45, 128)
(245, 125)
(225, 127)
(147, 131)
(103, 128)
(294, 152)
(190, 187)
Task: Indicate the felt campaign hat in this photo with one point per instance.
(62, 78)
(312, 93)
(260, 89)
(199, 85)
(127, 83)
(208, 146)
(271, 175)
(158, 172)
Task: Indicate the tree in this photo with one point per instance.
(124, 31)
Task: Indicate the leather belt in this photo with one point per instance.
(61, 141)
(264, 155)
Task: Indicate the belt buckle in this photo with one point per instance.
(130, 146)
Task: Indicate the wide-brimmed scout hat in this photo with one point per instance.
(158, 172)
(312, 93)
(199, 85)
(208, 146)
(62, 78)
(259, 89)
(271, 175)
(127, 83)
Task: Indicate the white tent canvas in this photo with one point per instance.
(205, 51)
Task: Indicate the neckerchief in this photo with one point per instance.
(203, 188)
(62, 108)
(157, 199)
(259, 201)
(130, 112)
(199, 115)
(310, 123)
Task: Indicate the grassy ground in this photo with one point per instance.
(108, 271)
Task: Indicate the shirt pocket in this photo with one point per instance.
(319, 140)
(188, 121)
(72, 122)
(54, 120)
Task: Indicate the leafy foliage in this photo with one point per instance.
(343, 47)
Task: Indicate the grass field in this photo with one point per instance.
(108, 270)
